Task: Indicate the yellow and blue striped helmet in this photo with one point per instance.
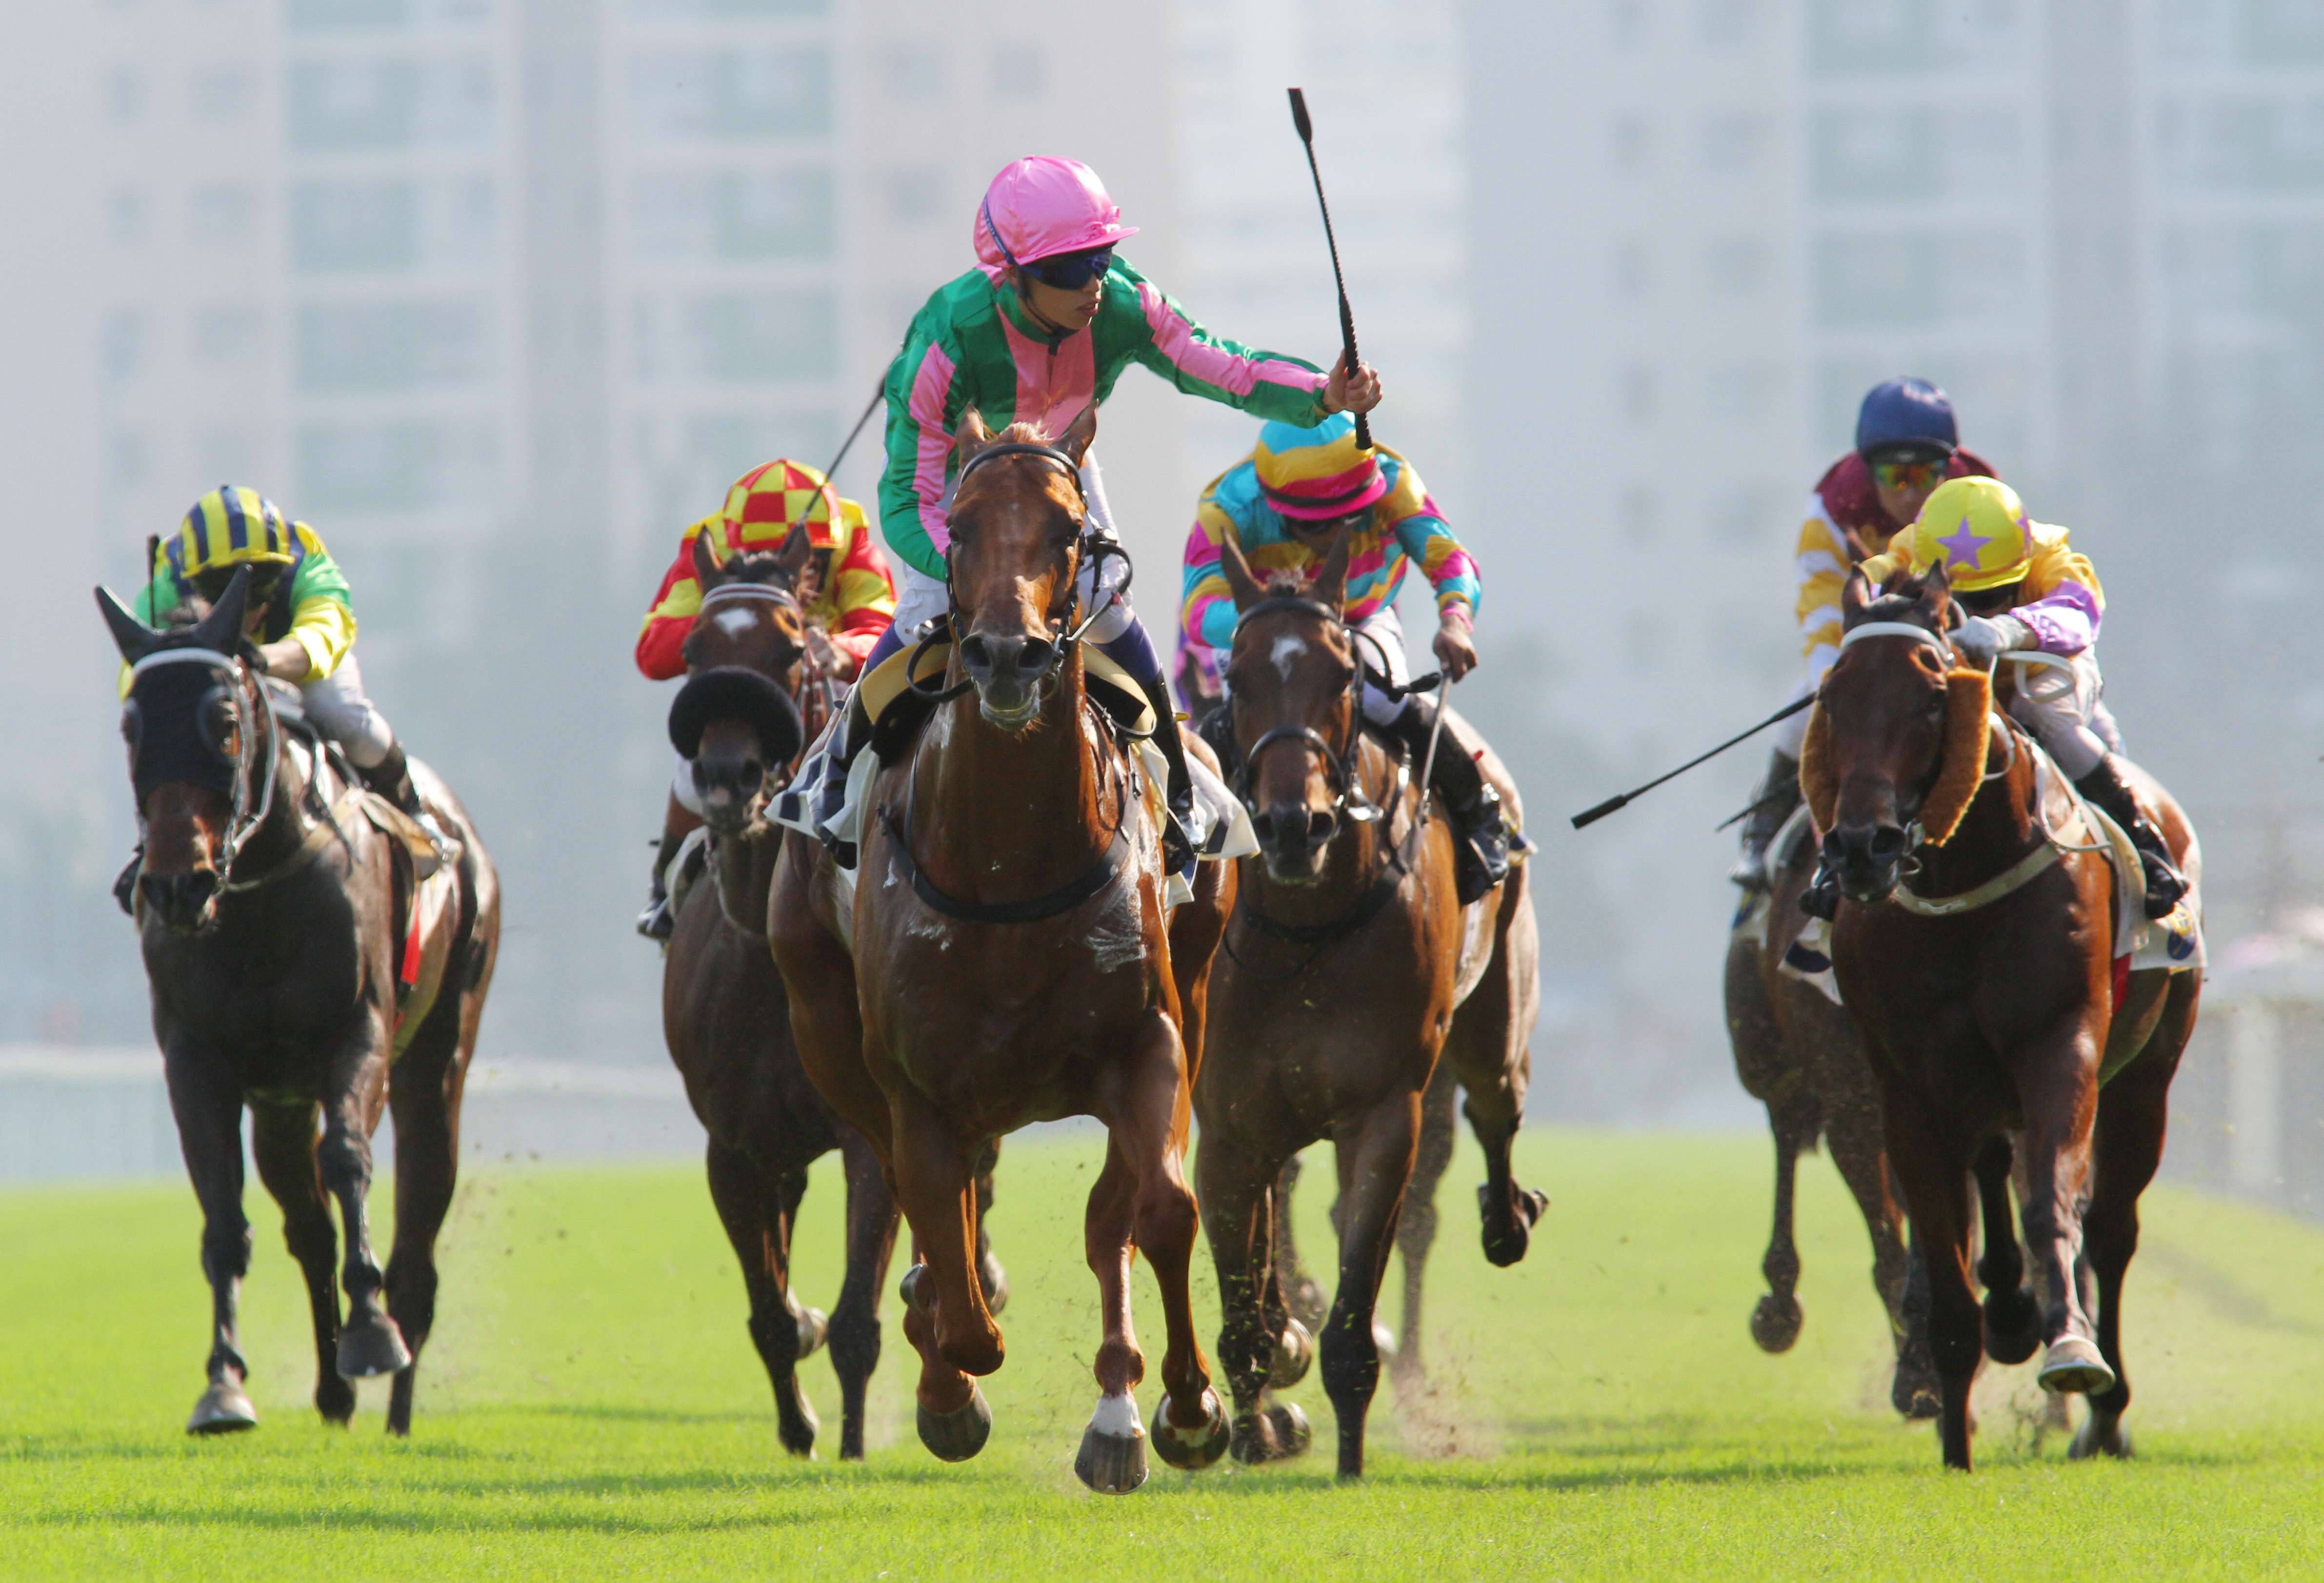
(231, 527)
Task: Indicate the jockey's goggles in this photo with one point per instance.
(1070, 271)
(265, 579)
(1922, 472)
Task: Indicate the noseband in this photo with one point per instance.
(1090, 548)
(1338, 763)
(244, 819)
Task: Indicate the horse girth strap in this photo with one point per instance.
(1088, 883)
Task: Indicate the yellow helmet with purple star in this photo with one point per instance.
(1977, 529)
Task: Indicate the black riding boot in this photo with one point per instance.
(656, 923)
(2106, 789)
(1177, 848)
(1776, 796)
(1481, 851)
(391, 778)
(125, 888)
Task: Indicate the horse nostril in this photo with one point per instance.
(1321, 825)
(1888, 843)
(975, 653)
(1035, 655)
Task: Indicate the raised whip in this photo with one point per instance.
(1347, 314)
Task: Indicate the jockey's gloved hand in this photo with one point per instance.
(1980, 638)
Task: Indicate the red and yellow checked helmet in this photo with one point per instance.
(1978, 530)
(768, 501)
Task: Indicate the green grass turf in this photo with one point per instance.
(590, 1405)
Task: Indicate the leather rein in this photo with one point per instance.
(1090, 549)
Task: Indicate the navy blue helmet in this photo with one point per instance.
(1906, 415)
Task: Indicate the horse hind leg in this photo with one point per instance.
(370, 1343)
(1793, 1119)
(854, 1331)
(1486, 1049)
(1415, 1227)
(208, 1114)
(756, 1208)
(283, 1142)
(2013, 1314)
(988, 1270)
(1302, 1295)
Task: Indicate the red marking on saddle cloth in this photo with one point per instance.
(408, 974)
(2121, 980)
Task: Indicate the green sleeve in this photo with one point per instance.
(1165, 338)
(923, 407)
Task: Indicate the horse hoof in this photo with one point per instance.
(2073, 1363)
(2092, 1442)
(813, 1326)
(1294, 1353)
(335, 1399)
(796, 1427)
(2012, 1326)
(1775, 1322)
(1509, 1220)
(1192, 1449)
(224, 1409)
(1306, 1299)
(955, 1437)
(916, 1289)
(1275, 1435)
(372, 1347)
(1112, 1458)
(995, 1282)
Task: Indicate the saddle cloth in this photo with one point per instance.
(1221, 829)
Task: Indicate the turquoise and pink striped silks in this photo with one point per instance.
(971, 345)
(1405, 526)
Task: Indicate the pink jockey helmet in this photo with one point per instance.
(1038, 207)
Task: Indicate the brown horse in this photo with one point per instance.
(1006, 959)
(309, 965)
(1797, 1053)
(1351, 967)
(1976, 950)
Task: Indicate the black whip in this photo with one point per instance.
(848, 444)
(1347, 314)
(1612, 805)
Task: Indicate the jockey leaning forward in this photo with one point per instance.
(1039, 330)
(1907, 443)
(2021, 587)
(299, 616)
(846, 589)
(1282, 507)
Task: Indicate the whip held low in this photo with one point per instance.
(1614, 803)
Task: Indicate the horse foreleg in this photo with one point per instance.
(1486, 1048)
(855, 1317)
(756, 1207)
(1933, 1171)
(1415, 1227)
(1112, 1456)
(2013, 1315)
(1191, 1430)
(1374, 1152)
(369, 1341)
(208, 1106)
(1852, 1129)
(2127, 1147)
(282, 1141)
(945, 1319)
(425, 1100)
(2058, 1089)
(1256, 1345)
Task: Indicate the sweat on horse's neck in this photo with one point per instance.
(998, 812)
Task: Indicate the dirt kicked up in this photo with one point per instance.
(593, 1407)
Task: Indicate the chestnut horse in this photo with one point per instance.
(1976, 950)
(1797, 1053)
(1006, 959)
(269, 906)
(1351, 967)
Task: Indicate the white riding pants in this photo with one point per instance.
(338, 708)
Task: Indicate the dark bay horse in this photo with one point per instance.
(1351, 969)
(1006, 959)
(269, 905)
(753, 694)
(1976, 950)
(1797, 1053)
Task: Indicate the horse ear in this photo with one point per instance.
(222, 629)
(971, 436)
(1237, 571)
(1330, 584)
(1854, 596)
(133, 636)
(1075, 441)
(792, 552)
(705, 559)
(1937, 597)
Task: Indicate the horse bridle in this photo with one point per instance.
(244, 819)
(1349, 797)
(1090, 549)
